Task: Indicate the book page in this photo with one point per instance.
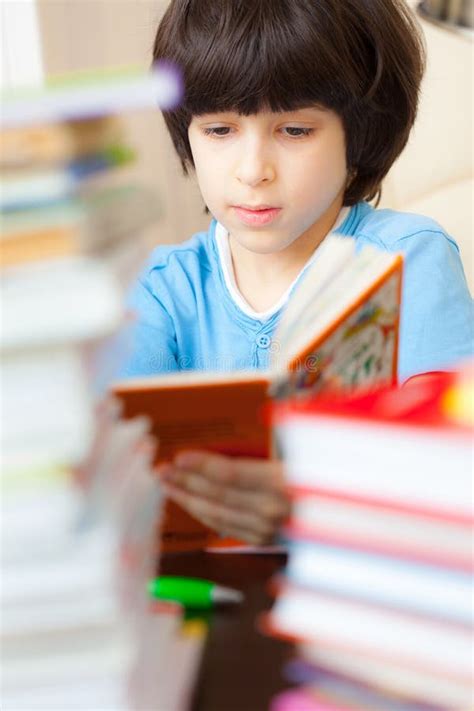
(332, 256)
(351, 282)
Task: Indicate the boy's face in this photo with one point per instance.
(270, 177)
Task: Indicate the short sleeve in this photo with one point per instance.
(150, 335)
(436, 328)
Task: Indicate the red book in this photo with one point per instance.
(397, 449)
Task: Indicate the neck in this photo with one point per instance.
(263, 278)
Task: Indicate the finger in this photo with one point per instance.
(249, 537)
(240, 527)
(202, 486)
(272, 506)
(222, 517)
(254, 474)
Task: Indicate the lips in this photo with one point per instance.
(256, 208)
(258, 215)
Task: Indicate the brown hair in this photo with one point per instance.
(364, 59)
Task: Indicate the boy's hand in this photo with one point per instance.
(241, 498)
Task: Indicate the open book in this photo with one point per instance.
(339, 330)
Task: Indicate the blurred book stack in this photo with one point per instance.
(79, 504)
(71, 239)
(378, 587)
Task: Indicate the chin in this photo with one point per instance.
(262, 242)
(266, 249)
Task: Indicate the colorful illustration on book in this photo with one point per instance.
(359, 353)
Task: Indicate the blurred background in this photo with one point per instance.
(434, 175)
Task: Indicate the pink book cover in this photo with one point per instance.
(300, 700)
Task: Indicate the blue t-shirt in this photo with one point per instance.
(188, 320)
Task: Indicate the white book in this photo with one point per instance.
(391, 677)
(51, 624)
(395, 464)
(378, 579)
(108, 693)
(84, 96)
(48, 408)
(56, 302)
(396, 532)
(95, 658)
(88, 569)
(373, 632)
(40, 522)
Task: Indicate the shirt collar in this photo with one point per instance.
(225, 259)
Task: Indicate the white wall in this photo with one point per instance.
(434, 175)
(20, 52)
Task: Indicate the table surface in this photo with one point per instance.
(241, 667)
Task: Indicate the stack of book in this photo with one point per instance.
(79, 505)
(378, 587)
(76, 554)
(72, 237)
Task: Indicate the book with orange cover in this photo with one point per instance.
(339, 331)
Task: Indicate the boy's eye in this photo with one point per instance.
(217, 131)
(292, 131)
(297, 132)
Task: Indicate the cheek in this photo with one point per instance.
(208, 171)
(202, 167)
(322, 176)
(210, 188)
(205, 175)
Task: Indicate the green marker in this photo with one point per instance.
(192, 592)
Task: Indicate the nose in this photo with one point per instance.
(255, 164)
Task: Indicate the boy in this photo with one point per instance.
(294, 111)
